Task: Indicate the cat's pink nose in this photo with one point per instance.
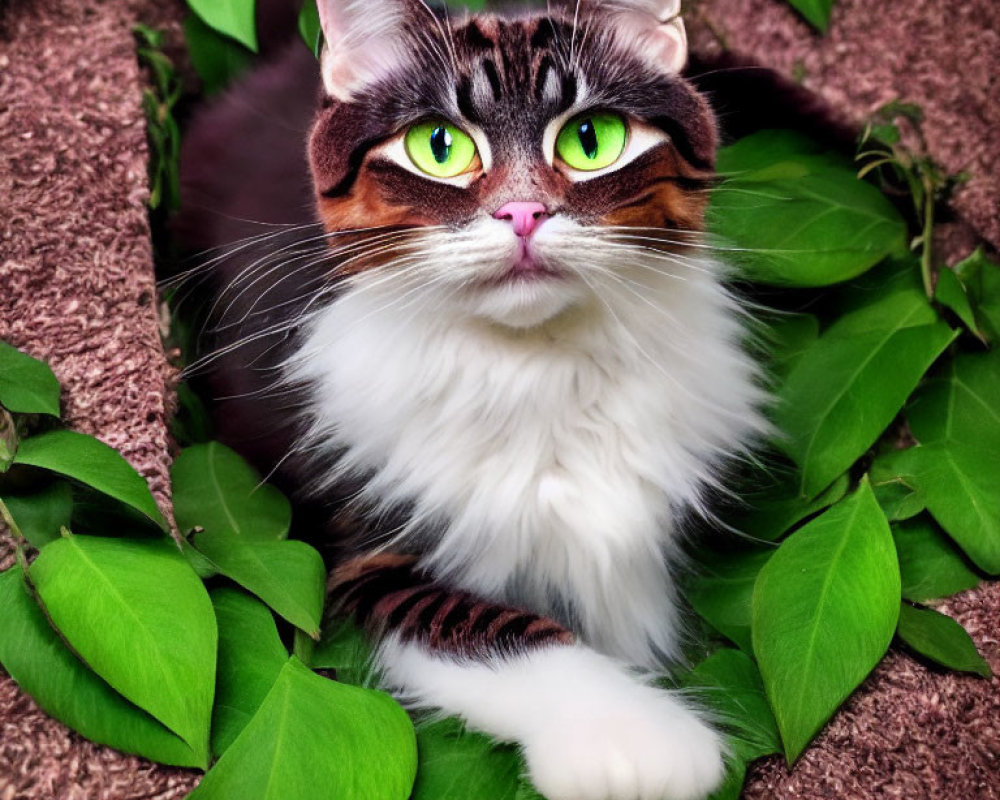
(523, 216)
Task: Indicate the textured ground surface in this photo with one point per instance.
(76, 288)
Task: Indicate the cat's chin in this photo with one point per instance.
(525, 301)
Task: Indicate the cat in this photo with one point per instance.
(505, 366)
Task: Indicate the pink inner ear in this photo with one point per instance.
(361, 41)
(663, 44)
(670, 42)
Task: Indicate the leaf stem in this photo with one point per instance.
(19, 539)
(927, 254)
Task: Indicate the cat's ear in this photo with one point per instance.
(363, 40)
(655, 26)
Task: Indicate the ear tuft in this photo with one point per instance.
(656, 28)
(363, 40)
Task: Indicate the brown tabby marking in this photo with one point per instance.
(385, 592)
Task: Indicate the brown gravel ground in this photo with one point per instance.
(76, 288)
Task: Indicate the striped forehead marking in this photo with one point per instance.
(512, 66)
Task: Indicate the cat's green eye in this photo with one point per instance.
(439, 148)
(592, 141)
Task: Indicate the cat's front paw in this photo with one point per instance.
(652, 750)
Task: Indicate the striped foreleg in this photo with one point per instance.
(388, 596)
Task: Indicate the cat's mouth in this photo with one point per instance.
(526, 267)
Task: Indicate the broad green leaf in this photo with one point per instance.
(949, 292)
(816, 11)
(955, 469)
(217, 59)
(722, 590)
(233, 18)
(309, 27)
(929, 566)
(787, 338)
(140, 617)
(732, 785)
(344, 648)
(316, 739)
(457, 765)
(773, 511)
(525, 791)
(981, 279)
(34, 655)
(797, 217)
(898, 499)
(824, 610)
(289, 576)
(841, 395)
(250, 657)
(216, 490)
(41, 515)
(729, 684)
(940, 639)
(27, 385)
(90, 461)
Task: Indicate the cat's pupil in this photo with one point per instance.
(588, 138)
(441, 144)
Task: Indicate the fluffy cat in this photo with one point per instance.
(504, 368)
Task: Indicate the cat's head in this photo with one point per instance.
(519, 154)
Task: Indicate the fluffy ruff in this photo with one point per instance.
(540, 436)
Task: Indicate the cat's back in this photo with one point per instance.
(246, 205)
(243, 164)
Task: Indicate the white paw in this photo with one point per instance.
(651, 748)
(590, 730)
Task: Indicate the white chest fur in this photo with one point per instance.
(552, 462)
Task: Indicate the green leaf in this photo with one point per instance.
(217, 59)
(34, 655)
(309, 27)
(233, 18)
(730, 685)
(458, 765)
(955, 469)
(940, 639)
(42, 514)
(778, 507)
(816, 11)
(950, 293)
(216, 490)
(800, 218)
(788, 338)
(316, 739)
(824, 610)
(138, 615)
(251, 656)
(899, 500)
(929, 566)
(27, 385)
(93, 463)
(841, 396)
(344, 648)
(981, 279)
(732, 785)
(722, 590)
(289, 576)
